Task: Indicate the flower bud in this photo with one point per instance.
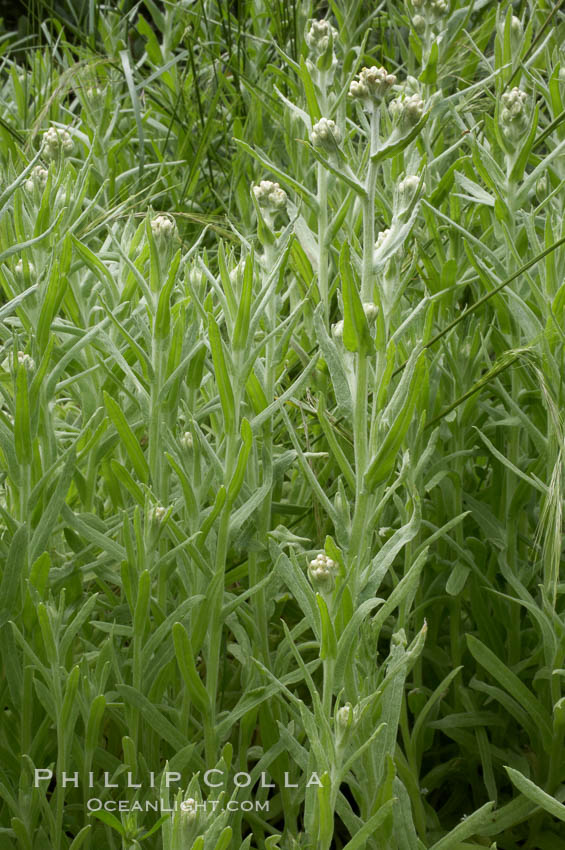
(431, 9)
(382, 237)
(37, 177)
(372, 85)
(156, 514)
(322, 572)
(513, 117)
(187, 441)
(26, 361)
(541, 188)
(56, 142)
(516, 28)
(270, 196)
(318, 37)
(326, 134)
(407, 111)
(19, 268)
(189, 810)
(407, 188)
(344, 717)
(419, 23)
(163, 229)
(371, 310)
(337, 330)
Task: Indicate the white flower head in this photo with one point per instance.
(56, 142)
(157, 514)
(372, 84)
(407, 111)
(371, 310)
(187, 440)
(382, 237)
(431, 9)
(406, 189)
(419, 23)
(516, 28)
(322, 570)
(189, 810)
(326, 134)
(270, 196)
(337, 329)
(37, 177)
(163, 229)
(26, 361)
(513, 115)
(318, 37)
(344, 716)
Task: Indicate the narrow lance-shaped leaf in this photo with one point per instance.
(356, 333)
(222, 376)
(185, 660)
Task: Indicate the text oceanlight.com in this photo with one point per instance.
(94, 804)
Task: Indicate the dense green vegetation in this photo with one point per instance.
(281, 434)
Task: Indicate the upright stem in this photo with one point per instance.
(216, 602)
(360, 421)
(369, 209)
(322, 248)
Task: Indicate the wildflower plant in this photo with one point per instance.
(281, 440)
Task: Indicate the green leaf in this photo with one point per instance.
(356, 333)
(223, 379)
(128, 438)
(513, 685)
(239, 474)
(224, 840)
(309, 92)
(398, 143)
(359, 840)
(534, 793)
(383, 461)
(328, 645)
(110, 820)
(241, 328)
(22, 420)
(13, 575)
(185, 660)
(162, 327)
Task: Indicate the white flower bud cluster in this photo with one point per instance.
(187, 441)
(157, 514)
(270, 196)
(344, 716)
(431, 8)
(516, 28)
(337, 330)
(371, 310)
(325, 134)
(381, 237)
(407, 188)
(419, 23)
(372, 84)
(19, 268)
(163, 228)
(56, 141)
(37, 177)
(513, 115)
(318, 37)
(26, 361)
(189, 810)
(407, 110)
(322, 571)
